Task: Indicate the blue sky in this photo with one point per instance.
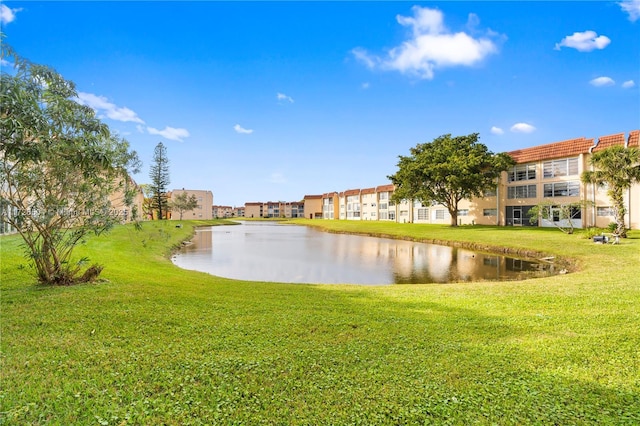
(267, 101)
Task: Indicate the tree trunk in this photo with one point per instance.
(619, 210)
(454, 217)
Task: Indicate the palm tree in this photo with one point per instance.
(617, 168)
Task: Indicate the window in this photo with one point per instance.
(404, 213)
(423, 214)
(564, 167)
(522, 191)
(383, 206)
(383, 216)
(522, 172)
(490, 212)
(392, 215)
(562, 189)
(439, 214)
(463, 212)
(489, 193)
(604, 211)
(384, 195)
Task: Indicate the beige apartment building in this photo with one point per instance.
(204, 210)
(131, 212)
(223, 212)
(286, 209)
(548, 172)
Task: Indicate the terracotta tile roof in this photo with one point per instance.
(634, 139)
(329, 194)
(351, 192)
(368, 191)
(605, 142)
(568, 148)
(385, 188)
(312, 197)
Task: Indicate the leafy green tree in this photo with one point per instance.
(183, 202)
(448, 170)
(617, 168)
(59, 167)
(159, 174)
(562, 216)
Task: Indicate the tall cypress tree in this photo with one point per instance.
(159, 174)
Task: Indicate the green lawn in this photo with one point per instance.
(153, 344)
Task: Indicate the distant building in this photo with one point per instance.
(204, 210)
(238, 211)
(312, 207)
(275, 209)
(220, 212)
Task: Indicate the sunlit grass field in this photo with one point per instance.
(153, 344)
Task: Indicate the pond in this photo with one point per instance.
(268, 251)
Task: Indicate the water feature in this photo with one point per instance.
(268, 251)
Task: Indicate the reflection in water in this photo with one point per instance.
(263, 251)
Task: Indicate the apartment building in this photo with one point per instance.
(117, 200)
(312, 206)
(133, 211)
(223, 211)
(238, 211)
(275, 209)
(204, 209)
(544, 173)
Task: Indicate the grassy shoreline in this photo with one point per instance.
(154, 344)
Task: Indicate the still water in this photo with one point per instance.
(268, 251)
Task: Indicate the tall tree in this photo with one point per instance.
(448, 170)
(617, 168)
(182, 202)
(159, 174)
(59, 165)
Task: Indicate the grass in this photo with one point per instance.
(153, 344)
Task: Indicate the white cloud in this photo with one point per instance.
(238, 128)
(170, 133)
(365, 86)
(101, 105)
(277, 177)
(497, 130)
(628, 84)
(363, 56)
(283, 97)
(7, 15)
(602, 81)
(585, 41)
(522, 128)
(432, 46)
(632, 7)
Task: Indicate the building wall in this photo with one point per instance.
(131, 212)
(313, 206)
(204, 210)
(254, 210)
